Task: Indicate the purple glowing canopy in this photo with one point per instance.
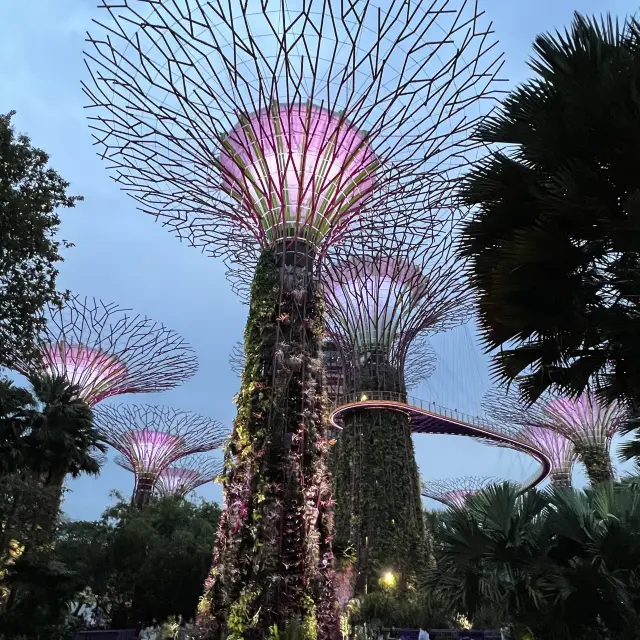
(152, 450)
(297, 171)
(373, 299)
(176, 480)
(585, 419)
(559, 449)
(149, 438)
(93, 371)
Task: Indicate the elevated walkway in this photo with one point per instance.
(428, 417)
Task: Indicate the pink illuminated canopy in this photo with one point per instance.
(559, 449)
(150, 451)
(297, 171)
(585, 419)
(373, 298)
(458, 497)
(179, 480)
(92, 370)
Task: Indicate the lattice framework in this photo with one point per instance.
(105, 351)
(287, 120)
(533, 425)
(383, 296)
(149, 438)
(454, 492)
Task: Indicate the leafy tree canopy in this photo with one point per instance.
(31, 193)
(142, 564)
(554, 245)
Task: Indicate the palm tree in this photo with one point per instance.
(16, 410)
(554, 245)
(61, 441)
(564, 564)
(486, 551)
(592, 575)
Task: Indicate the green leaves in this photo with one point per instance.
(554, 245)
(565, 563)
(30, 196)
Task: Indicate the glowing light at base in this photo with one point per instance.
(297, 171)
(93, 371)
(388, 580)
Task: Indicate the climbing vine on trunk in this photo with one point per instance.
(272, 562)
(377, 488)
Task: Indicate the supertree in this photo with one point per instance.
(275, 126)
(454, 492)
(150, 438)
(379, 302)
(590, 425)
(586, 422)
(187, 474)
(531, 425)
(103, 351)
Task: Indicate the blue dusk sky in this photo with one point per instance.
(124, 256)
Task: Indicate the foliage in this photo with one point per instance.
(30, 195)
(554, 245)
(564, 564)
(413, 610)
(45, 435)
(144, 564)
(272, 562)
(378, 502)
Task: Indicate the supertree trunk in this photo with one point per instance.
(597, 462)
(272, 562)
(379, 509)
(561, 479)
(142, 494)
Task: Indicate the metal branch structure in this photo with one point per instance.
(586, 423)
(454, 492)
(105, 351)
(187, 475)
(590, 425)
(150, 438)
(267, 133)
(287, 121)
(382, 298)
(531, 424)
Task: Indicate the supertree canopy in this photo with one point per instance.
(187, 474)
(590, 425)
(530, 423)
(104, 351)
(379, 302)
(151, 438)
(454, 492)
(278, 127)
(562, 427)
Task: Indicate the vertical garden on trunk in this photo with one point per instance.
(277, 488)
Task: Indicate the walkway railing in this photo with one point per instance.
(431, 407)
(509, 437)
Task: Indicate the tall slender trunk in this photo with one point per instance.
(272, 561)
